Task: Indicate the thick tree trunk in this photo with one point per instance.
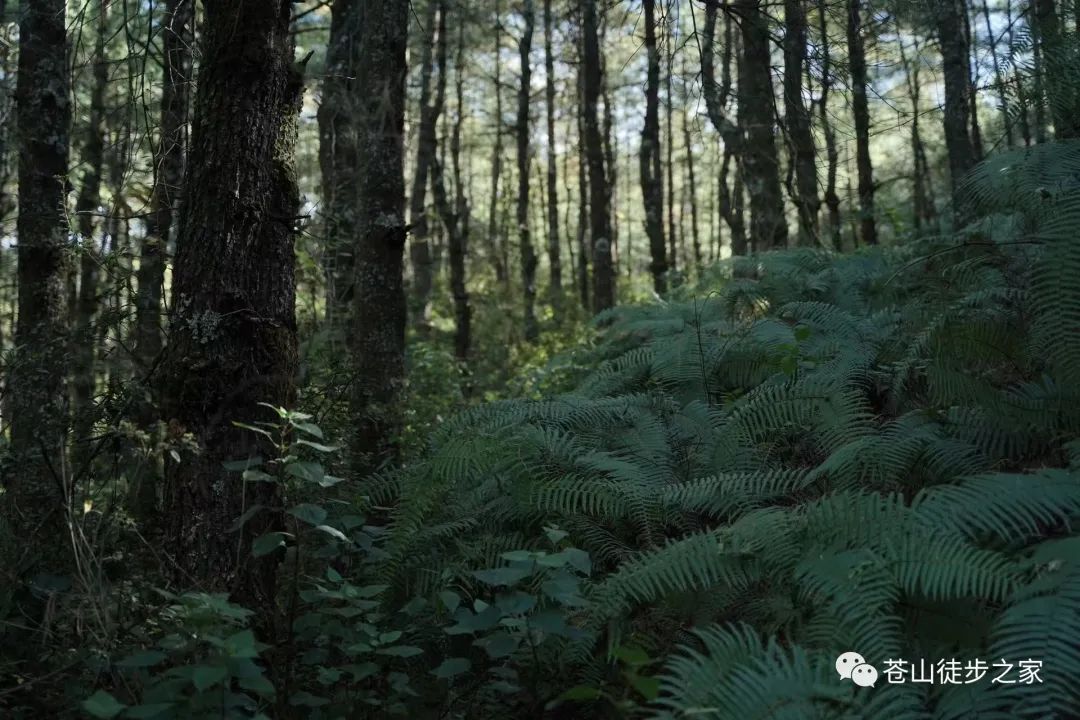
(554, 255)
(528, 252)
(84, 345)
(797, 117)
(954, 52)
(423, 279)
(380, 30)
(603, 285)
(652, 179)
(36, 497)
(861, 112)
(233, 338)
(761, 166)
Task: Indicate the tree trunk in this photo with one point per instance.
(922, 192)
(652, 182)
(803, 152)
(178, 34)
(603, 286)
(999, 78)
(832, 199)
(36, 497)
(232, 336)
(458, 231)
(554, 255)
(954, 52)
(861, 112)
(426, 149)
(528, 252)
(716, 101)
(669, 148)
(380, 30)
(761, 167)
(84, 346)
(584, 254)
(691, 189)
(495, 242)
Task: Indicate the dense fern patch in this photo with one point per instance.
(805, 455)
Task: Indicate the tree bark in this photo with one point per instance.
(761, 166)
(922, 189)
(584, 253)
(380, 29)
(652, 179)
(427, 147)
(954, 52)
(603, 285)
(861, 112)
(832, 199)
(797, 117)
(233, 341)
(458, 230)
(528, 252)
(495, 241)
(716, 102)
(84, 345)
(177, 39)
(554, 254)
(36, 497)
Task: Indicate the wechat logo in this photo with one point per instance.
(853, 666)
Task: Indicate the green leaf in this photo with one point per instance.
(581, 692)
(268, 543)
(309, 428)
(333, 532)
(450, 667)
(306, 699)
(143, 659)
(555, 535)
(649, 687)
(333, 575)
(253, 475)
(451, 600)
(248, 514)
(502, 576)
(402, 651)
(102, 705)
(309, 513)
(148, 711)
(308, 471)
(258, 684)
(632, 655)
(241, 465)
(204, 677)
(318, 447)
(498, 644)
(242, 645)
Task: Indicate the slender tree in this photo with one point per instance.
(832, 199)
(177, 39)
(554, 255)
(652, 179)
(584, 253)
(717, 95)
(36, 496)
(84, 347)
(861, 112)
(495, 241)
(457, 225)
(603, 276)
(423, 277)
(233, 343)
(528, 252)
(797, 120)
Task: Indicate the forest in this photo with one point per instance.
(492, 359)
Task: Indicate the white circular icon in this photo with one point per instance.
(847, 662)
